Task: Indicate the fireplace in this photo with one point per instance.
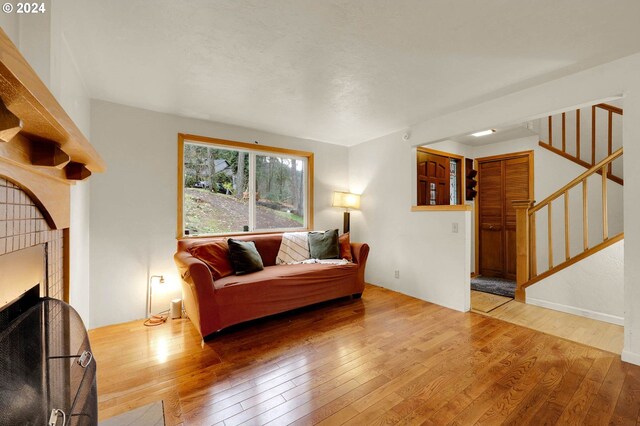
(46, 366)
(47, 369)
(47, 372)
(22, 227)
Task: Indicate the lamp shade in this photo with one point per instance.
(346, 200)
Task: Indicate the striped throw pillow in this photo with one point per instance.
(294, 248)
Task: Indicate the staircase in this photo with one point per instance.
(602, 126)
(565, 214)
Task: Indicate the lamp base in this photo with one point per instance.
(346, 223)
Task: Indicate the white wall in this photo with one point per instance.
(611, 80)
(433, 262)
(69, 89)
(36, 33)
(134, 204)
(10, 24)
(593, 288)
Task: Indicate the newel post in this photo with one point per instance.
(522, 246)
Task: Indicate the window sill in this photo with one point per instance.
(442, 208)
(243, 234)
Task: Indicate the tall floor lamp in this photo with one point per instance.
(152, 319)
(347, 201)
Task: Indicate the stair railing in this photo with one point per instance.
(560, 147)
(526, 253)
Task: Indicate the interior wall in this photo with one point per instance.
(593, 288)
(134, 204)
(432, 260)
(67, 85)
(606, 81)
(10, 24)
(36, 33)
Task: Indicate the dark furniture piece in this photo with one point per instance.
(47, 371)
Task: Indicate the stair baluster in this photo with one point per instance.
(526, 256)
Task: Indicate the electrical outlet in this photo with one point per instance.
(454, 227)
(396, 274)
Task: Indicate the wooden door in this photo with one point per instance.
(501, 181)
(433, 180)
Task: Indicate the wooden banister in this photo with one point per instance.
(561, 149)
(522, 246)
(611, 108)
(526, 254)
(577, 180)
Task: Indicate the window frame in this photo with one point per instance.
(254, 148)
(460, 180)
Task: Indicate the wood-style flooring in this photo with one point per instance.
(486, 302)
(591, 332)
(384, 359)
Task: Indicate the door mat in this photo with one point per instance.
(498, 286)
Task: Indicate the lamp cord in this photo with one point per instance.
(156, 319)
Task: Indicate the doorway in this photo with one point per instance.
(502, 179)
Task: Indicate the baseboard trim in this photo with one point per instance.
(612, 319)
(631, 357)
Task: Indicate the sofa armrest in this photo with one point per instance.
(360, 253)
(198, 291)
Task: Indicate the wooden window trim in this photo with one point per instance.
(440, 153)
(461, 172)
(182, 137)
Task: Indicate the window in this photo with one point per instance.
(439, 178)
(228, 187)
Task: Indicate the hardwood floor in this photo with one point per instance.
(384, 359)
(599, 334)
(486, 302)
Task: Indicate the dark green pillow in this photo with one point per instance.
(324, 245)
(244, 257)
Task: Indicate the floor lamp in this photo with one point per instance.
(347, 201)
(152, 319)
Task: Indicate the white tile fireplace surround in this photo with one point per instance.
(22, 225)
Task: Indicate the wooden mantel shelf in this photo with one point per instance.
(26, 96)
(41, 148)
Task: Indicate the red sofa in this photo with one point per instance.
(215, 304)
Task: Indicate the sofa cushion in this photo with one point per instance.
(281, 288)
(324, 245)
(345, 247)
(294, 248)
(244, 256)
(215, 255)
(294, 276)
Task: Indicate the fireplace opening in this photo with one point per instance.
(47, 369)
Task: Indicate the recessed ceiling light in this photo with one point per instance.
(483, 133)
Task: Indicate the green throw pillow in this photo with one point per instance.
(324, 245)
(244, 257)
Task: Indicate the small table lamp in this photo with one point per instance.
(348, 201)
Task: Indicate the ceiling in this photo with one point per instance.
(501, 134)
(337, 71)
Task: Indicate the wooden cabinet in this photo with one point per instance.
(501, 180)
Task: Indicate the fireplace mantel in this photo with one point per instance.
(41, 148)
